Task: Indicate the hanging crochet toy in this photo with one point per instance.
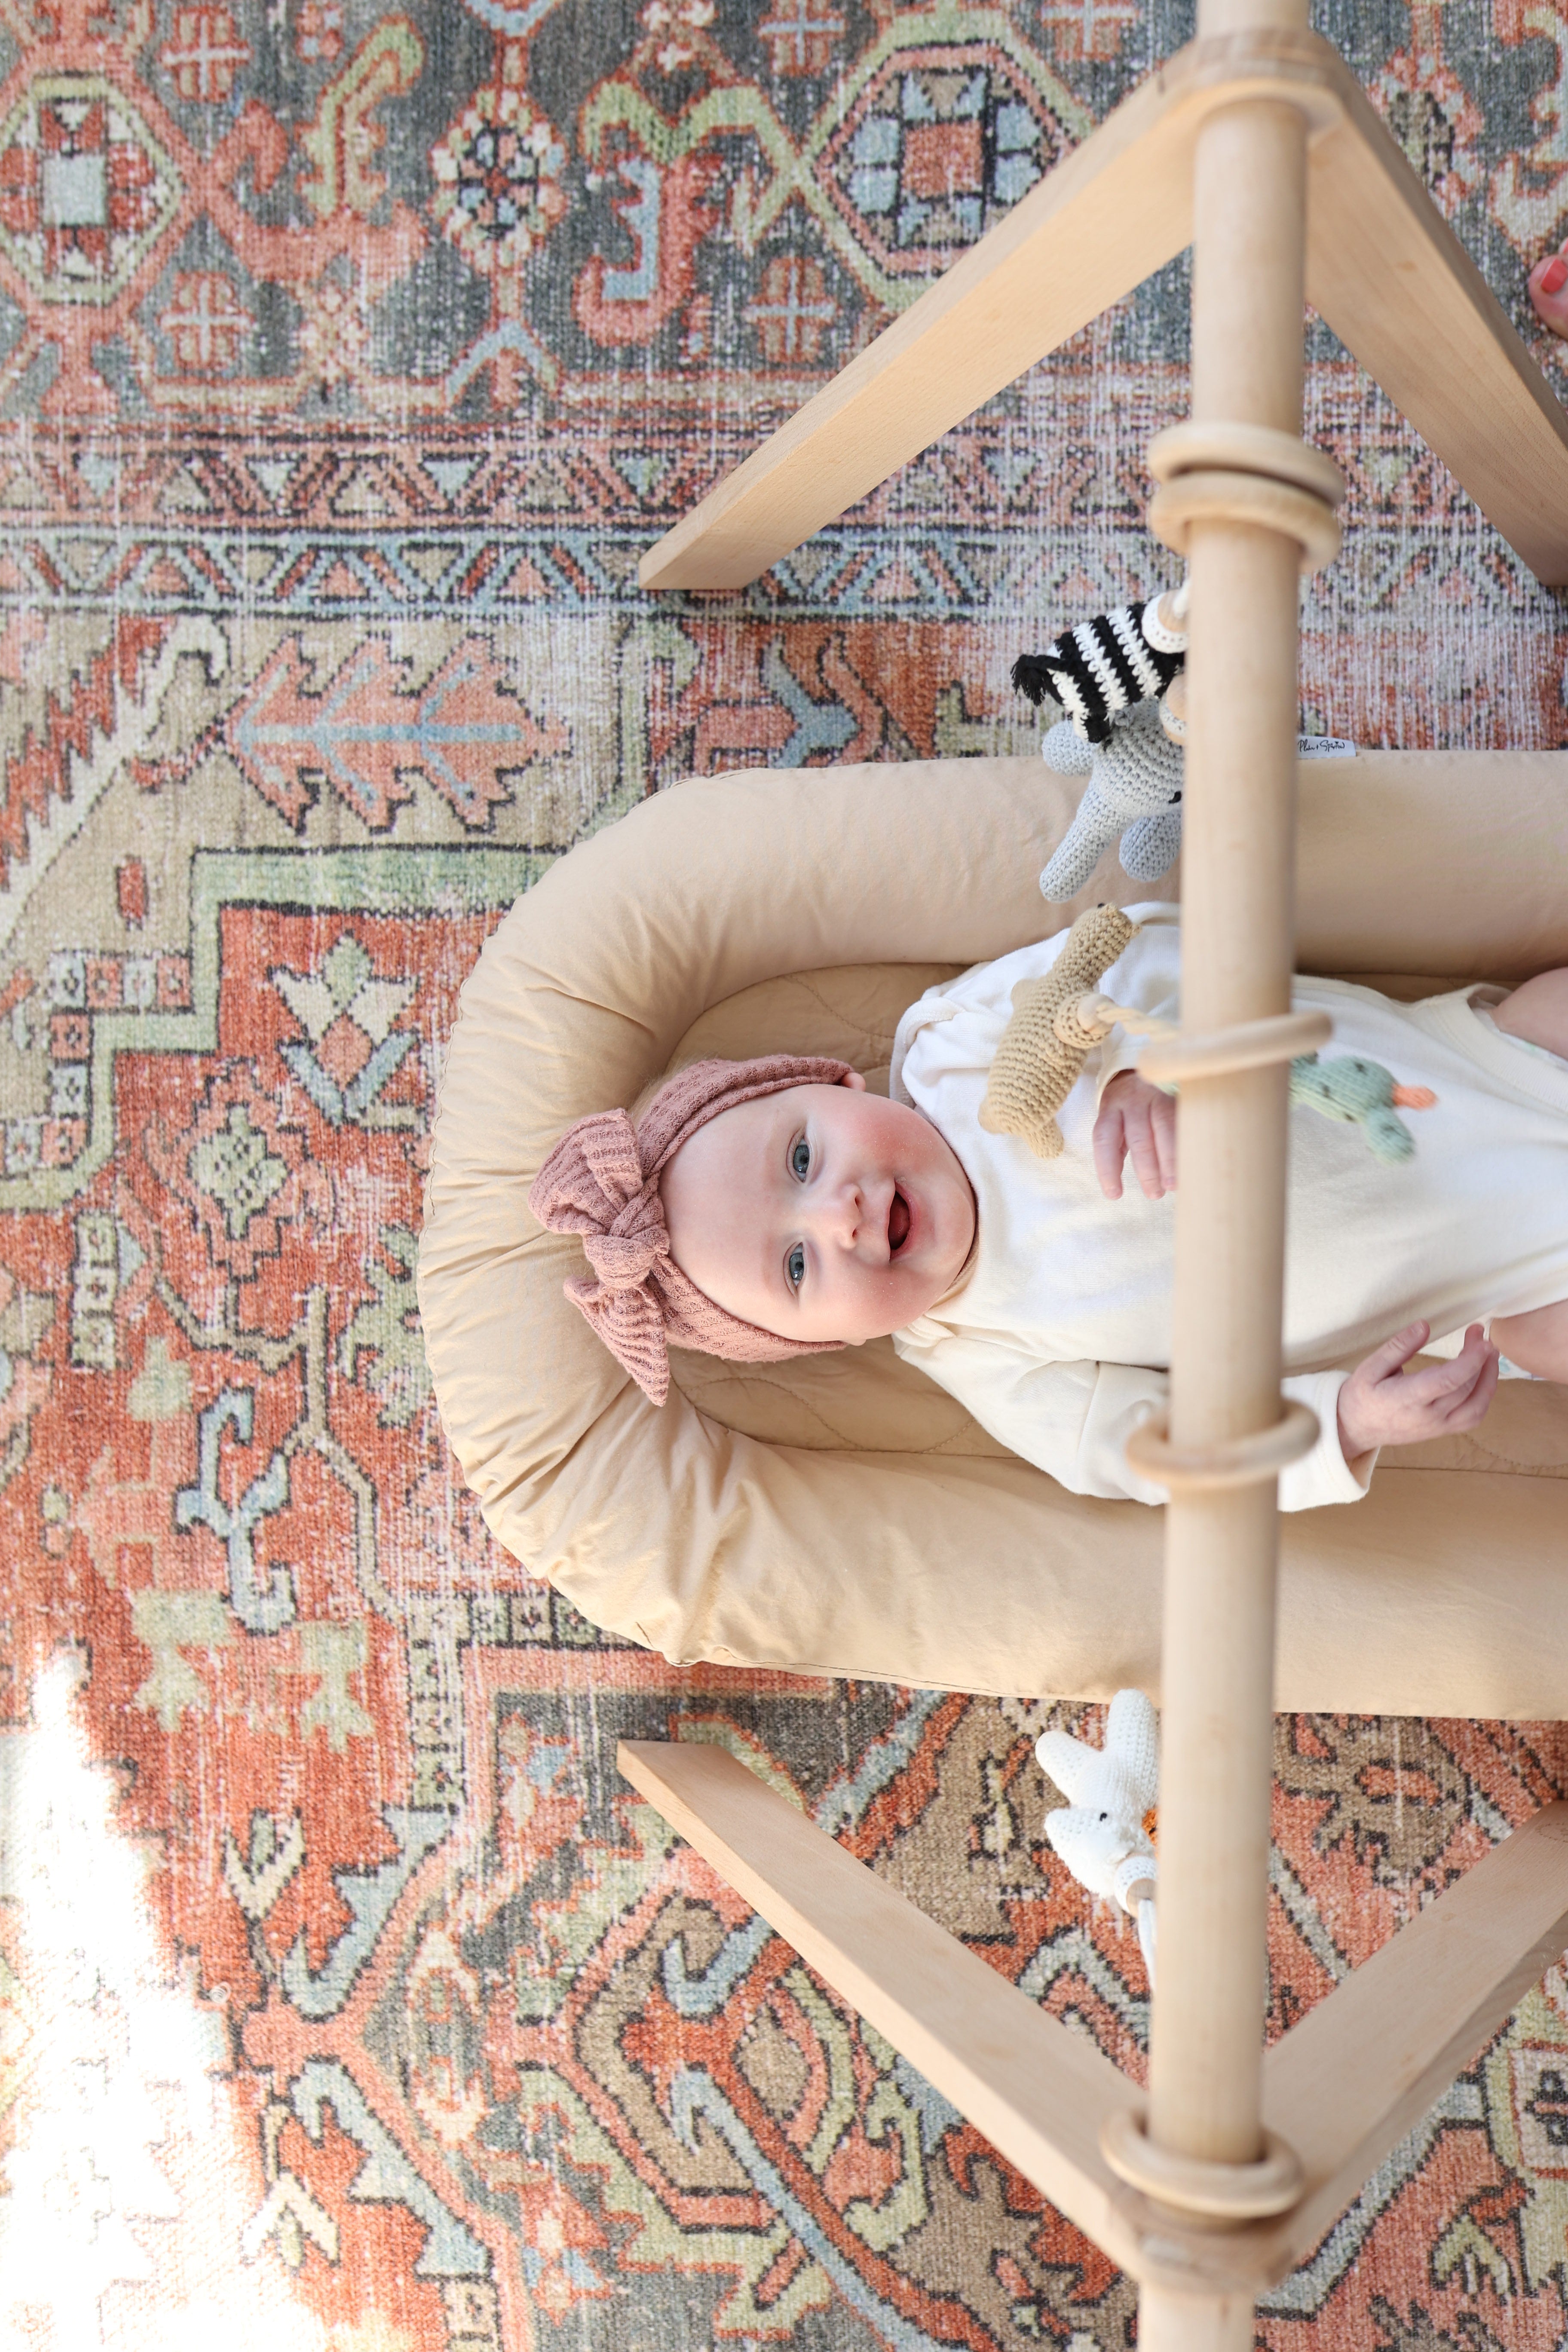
(1102, 1832)
(1058, 1018)
(1106, 665)
(1134, 792)
(1061, 1014)
(1042, 1050)
(1364, 1095)
(1117, 677)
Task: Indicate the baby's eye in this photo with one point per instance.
(800, 1160)
(794, 1267)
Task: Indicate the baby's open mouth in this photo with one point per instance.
(898, 1223)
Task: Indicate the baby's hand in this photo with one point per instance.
(1135, 1118)
(1379, 1406)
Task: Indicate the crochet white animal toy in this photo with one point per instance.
(1101, 1832)
(1135, 791)
(1118, 679)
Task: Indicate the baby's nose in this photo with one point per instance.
(868, 1216)
(846, 1214)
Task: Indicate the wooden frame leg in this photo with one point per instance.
(1384, 267)
(1039, 2092)
(1360, 2070)
(1343, 2086)
(1116, 209)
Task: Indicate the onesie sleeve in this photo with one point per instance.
(1149, 978)
(1323, 1475)
(1073, 1421)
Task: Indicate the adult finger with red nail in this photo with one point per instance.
(1549, 293)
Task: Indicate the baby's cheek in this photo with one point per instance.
(904, 1292)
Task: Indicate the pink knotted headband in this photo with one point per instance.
(602, 1181)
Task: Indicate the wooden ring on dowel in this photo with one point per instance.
(1220, 472)
(1197, 448)
(1228, 1461)
(1226, 2192)
(1250, 1046)
(1282, 79)
(1255, 499)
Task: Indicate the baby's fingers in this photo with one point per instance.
(1468, 1400)
(1163, 1119)
(1110, 1150)
(1471, 1406)
(1144, 1151)
(1395, 1352)
(1447, 1384)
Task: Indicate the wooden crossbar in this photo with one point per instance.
(1384, 268)
(1360, 2070)
(1342, 2087)
(1390, 277)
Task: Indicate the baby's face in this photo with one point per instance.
(819, 1213)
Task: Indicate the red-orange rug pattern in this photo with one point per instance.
(349, 357)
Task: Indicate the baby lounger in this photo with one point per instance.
(840, 1514)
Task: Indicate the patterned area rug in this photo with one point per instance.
(348, 359)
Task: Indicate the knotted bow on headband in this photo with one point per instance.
(601, 1180)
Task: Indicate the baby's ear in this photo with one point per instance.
(853, 1080)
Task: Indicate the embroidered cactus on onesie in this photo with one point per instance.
(1362, 1094)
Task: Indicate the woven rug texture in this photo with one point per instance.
(349, 358)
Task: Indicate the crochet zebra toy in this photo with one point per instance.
(1112, 676)
(1106, 665)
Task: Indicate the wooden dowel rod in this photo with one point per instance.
(1217, 17)
(1207, 2054)
(1190, 2323)
(1237, 930)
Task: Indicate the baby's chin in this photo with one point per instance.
(921, 1297)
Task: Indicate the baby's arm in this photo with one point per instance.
(1074, 1420)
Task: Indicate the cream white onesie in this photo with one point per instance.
(1058, 1336)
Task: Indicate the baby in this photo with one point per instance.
(766, 1209)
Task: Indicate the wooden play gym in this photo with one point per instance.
(1256, 146)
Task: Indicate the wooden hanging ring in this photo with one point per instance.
(1225, 2192)
(1228, 1461)
(1251, 499)
(1227, 70)
(1198, 448)
(1244, 473)
(1250, 1046)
